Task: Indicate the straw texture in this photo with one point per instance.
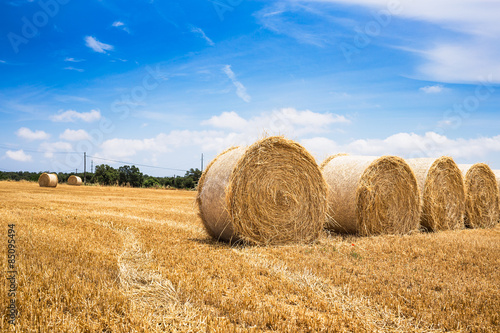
(48, 180)
(442, 192)
(269, 193)
(481, 196)
(371, 195)
(74, 180)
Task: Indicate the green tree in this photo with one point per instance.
(131, 175)
(105, 175)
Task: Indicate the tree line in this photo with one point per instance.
(125, 175)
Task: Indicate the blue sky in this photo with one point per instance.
(161, 82)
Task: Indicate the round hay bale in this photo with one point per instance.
(442, 192)
(481, 196)
(371, 195)
(74, 180)
(269, 193)
(48, 180)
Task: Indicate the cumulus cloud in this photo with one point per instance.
(72, 116)
(96, 45)
(49, 148)
(202, 34)
(241, 91)
(74, 135)
(411, 145)
(432, 89)
(28, 134)
(229, 129)
(18, 155)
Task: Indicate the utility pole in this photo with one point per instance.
(91, 166)
(76, 171)
(201, 161)
(85, 168)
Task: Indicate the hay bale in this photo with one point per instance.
(481, 196)
(371, 195)
(269, 193)
(442, 192)
(74, 180)
(48, 180)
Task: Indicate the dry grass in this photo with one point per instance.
(107, 259)
(48, 180)
(442, 192)
(370, 195)
(74, 180)
(271, 192)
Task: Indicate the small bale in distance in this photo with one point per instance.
(269, 193)
(74, 180)
(442, 192)
(48, 180)
(371, 195)
(481, 196)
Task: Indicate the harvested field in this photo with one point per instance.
(109, 259)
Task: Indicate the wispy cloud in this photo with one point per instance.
(71, 68)
(72, 116)
(96, 45)
(201, 33)
(28, 134)
(18, 155)
(3, 61)
(120, 25)
(241, 91)
(69, 59)
(432, 89)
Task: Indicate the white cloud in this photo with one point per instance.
(68, 59)
(471, 54)
(241, 91)
(74, 135)
(18, 155)
(202, 34)
(70, 68)
(432, 89)
(3, 61)
(287, 121)
(229, 120)
(409, 145)
(120, 25)
(429, 145)
(28, 134)
(49, 148)
(96, 45)
(72, 116)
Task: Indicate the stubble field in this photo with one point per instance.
(109, 259)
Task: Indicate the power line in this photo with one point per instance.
(137, 164)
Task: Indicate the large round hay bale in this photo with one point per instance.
(371, 195)
(74, 180)
(269, 193)
(442, 192)
(48, 180)
(481, 195)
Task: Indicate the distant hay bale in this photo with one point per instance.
(371, 195)
(269, 193)
(48, 180)
(442, 192)
(74, 180)
(481, 196)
